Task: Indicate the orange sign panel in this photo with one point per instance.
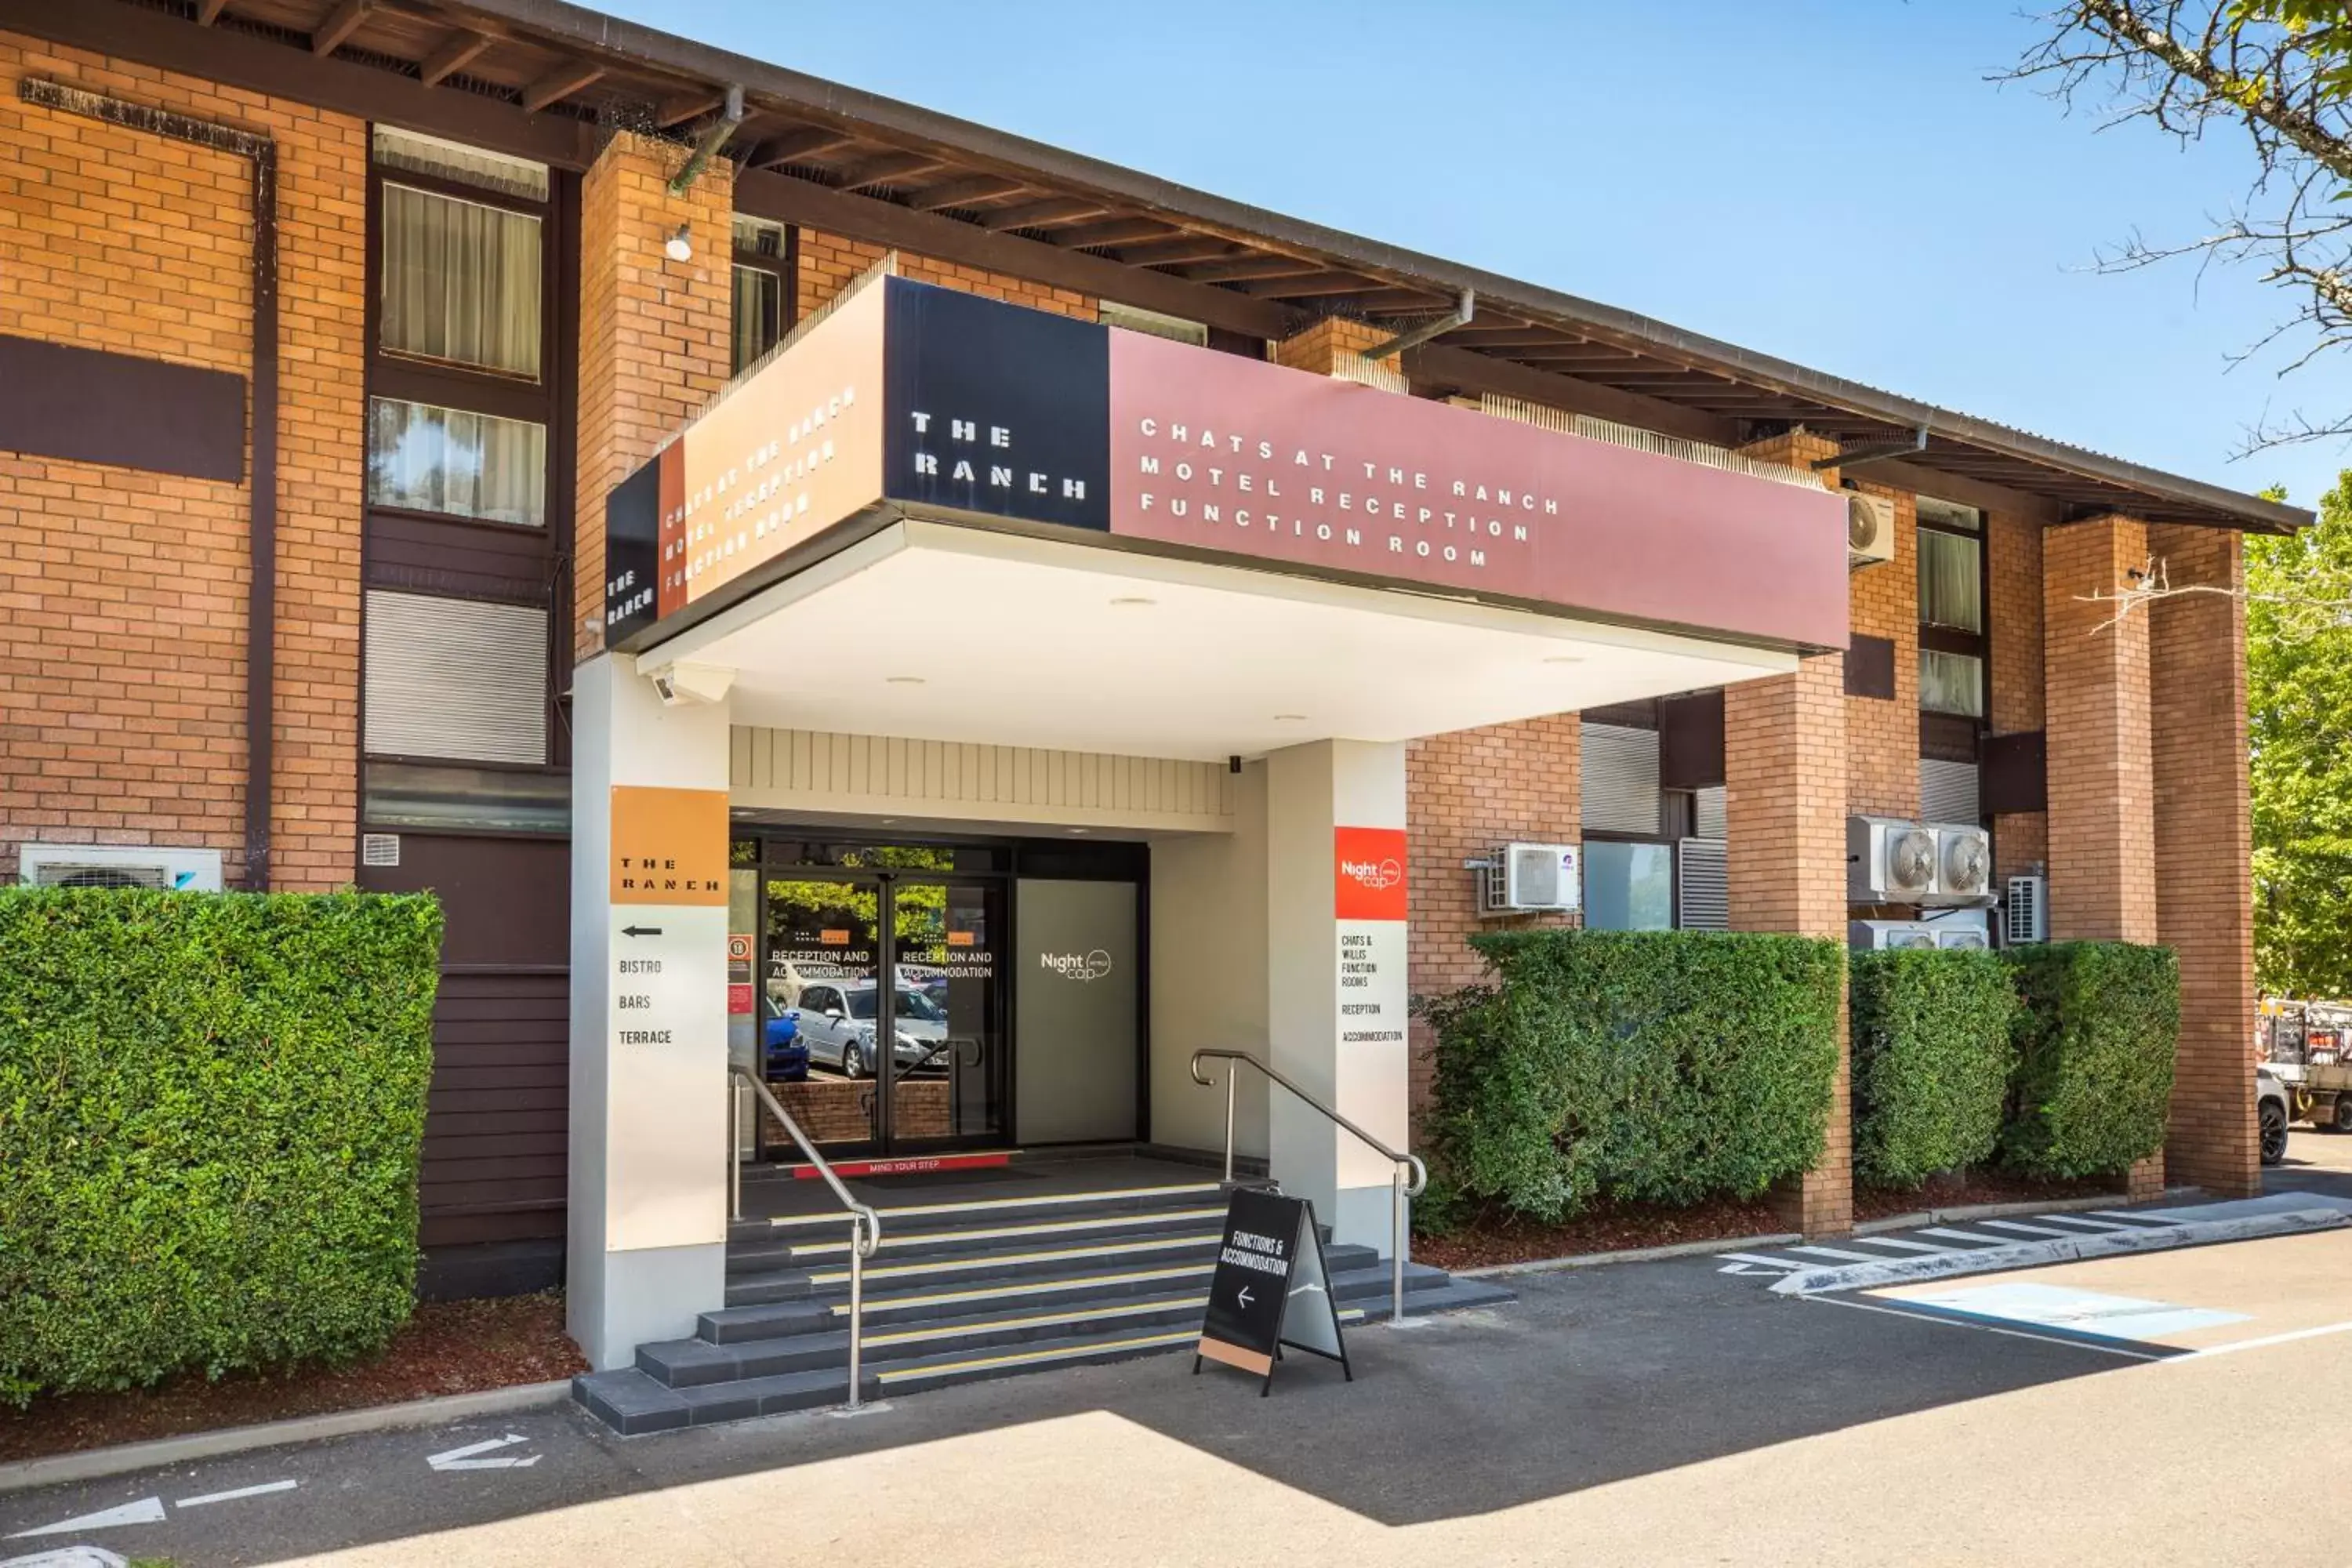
(1370, 885)
(669, 846)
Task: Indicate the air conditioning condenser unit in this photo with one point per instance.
(1889, 861)
(1881, 935)
(1527, 878)
(2026, 910)
(118, 866)
(1869, 529)
(1963, 866)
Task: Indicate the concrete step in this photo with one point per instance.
(633, 1403)
(1004, 1209)
(1019, 1231)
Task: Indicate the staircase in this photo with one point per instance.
(962, 1291)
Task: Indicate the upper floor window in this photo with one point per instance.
(1135, 319)
(1952, 642)
(460, 281)
(763, 290)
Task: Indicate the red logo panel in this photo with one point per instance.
(1370, 873)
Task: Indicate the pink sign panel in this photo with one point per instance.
(1221, 453)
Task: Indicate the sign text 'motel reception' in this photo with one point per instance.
(930, 400)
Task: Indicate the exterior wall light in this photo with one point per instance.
(679, 247)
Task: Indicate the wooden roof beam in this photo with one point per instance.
(1309, 287)
(680, 107)
(457, 52)
(794, 145)
(340, 24)
(1176, 251)
(209, 11)
(882, 168)
(1252, 267)
(1111, 231)
(565, 78)
(963, 191)
(1032, 215)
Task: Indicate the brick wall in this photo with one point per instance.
(654, 334)
(1320, 346)
(828, 264)
(123, 629)
(2197, 669)
(1465, 793)
(1883, 736)
(2102, 807)
(2013, 563)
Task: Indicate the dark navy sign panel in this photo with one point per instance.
(632, 553)
(996, 409)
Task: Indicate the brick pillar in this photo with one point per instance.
(2101, 769)
(1784, 743)
(1325, 346)
(654, 334)
(2204, 901)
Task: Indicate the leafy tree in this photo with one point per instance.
(2299, 717)
(2279, 72)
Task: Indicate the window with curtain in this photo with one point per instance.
(764, 303)
(424, 459)
(1951, 581)
(1951, 683)
(460, 281)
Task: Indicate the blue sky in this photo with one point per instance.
(1834, 182)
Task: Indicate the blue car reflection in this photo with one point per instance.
(784, 1056)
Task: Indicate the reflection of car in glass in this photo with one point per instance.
(784, 1054)
(836, 1023)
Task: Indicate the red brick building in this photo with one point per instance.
(330, 329)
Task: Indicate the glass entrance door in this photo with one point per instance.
(888, 983)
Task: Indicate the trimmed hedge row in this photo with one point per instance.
(1666, 1067)
(211, 1111)
(2095, 1037)
(1655, 1067)
(1931, 1061)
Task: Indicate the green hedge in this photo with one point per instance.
(2094, 1040)
(1660, 1066)
(1932, 1057)
(211, 1108)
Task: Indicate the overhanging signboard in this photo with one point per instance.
(906, 396)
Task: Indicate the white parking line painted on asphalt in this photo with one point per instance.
(2139, 1219)
(146, 1510)
(264, 1489)
(1764, 1258)
(2081, 1222)
(1948, 1234)
(1899, 1244)
(2025, 1229)
(1840, 1255)
(2324, 1328)
(1943, 1322)
(465, 1458)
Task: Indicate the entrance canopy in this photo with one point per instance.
(950, 633)
(933, 515)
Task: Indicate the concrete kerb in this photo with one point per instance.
(2069, 1249)
(95, 1464)
(1964, 1212)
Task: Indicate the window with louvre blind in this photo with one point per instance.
(459, 679)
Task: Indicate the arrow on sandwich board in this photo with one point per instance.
(465, 1458)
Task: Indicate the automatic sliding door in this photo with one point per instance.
(821, 998)
(947, 1081)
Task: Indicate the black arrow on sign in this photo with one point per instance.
(641, 931)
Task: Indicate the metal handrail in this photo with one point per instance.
(1400, 1188)
(865, 1225)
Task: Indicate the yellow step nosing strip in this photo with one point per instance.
(1036, 1358)
(1047, 1227)
(984, 1260)
(1023, 1288)
(1091, 1314)
(1106, 1195)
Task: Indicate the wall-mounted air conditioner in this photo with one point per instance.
(1869, 529)
(1889, 861)
(1874, 935)
(1974, 939)
(118, 866)
(1963, 866)
(1526, 879)
(2026, 910)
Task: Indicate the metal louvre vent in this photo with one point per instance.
(456, 677)
(2027, 910)
(1619, 779)
(1947, 791)
(1708, 810)
(379, 849)
(1702, 885)
(1642, 440)
(67, 874)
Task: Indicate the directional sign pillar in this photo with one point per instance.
(648, 1247)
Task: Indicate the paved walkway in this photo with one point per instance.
(1646, 1414)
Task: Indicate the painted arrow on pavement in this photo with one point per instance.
(464, 1458)
(146, 1510)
